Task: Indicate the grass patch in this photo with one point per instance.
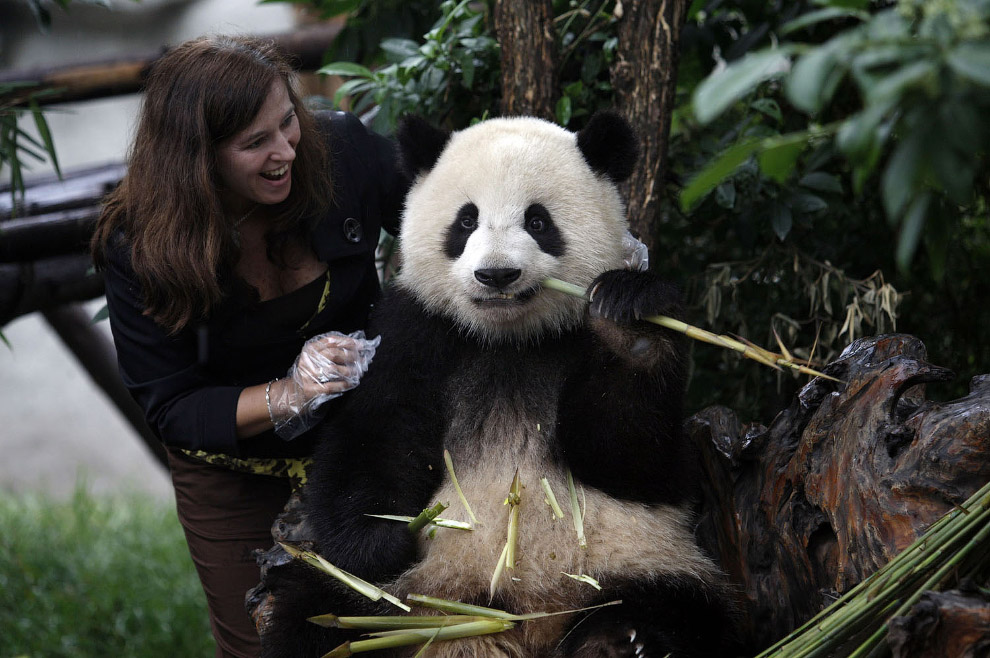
(95, 577)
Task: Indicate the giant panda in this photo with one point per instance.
(480, 359)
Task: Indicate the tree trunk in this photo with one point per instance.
(645, 80)
(528, 42)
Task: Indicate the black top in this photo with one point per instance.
(188, 384)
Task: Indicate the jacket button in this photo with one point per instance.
(353, 230)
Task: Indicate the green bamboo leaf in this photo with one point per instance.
(719, 91)
(778, 161)
(781, 220)
(821, 182)
(814, 78)
(971, 60)
(914, 220)
(807, 204)
(353, 87)
(346, 69)
(858, 134)
(901, 175)
(953, 170)
(563, 110)
(400, 48)
(820, 16)
(893, 86)
(46, 136)
(716, 171)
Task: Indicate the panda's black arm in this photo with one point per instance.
(382, 453)
(621, 407)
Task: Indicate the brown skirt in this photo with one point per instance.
(226, 516)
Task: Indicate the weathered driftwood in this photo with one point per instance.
(943, 624)
(840, 482)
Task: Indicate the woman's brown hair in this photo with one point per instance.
(168, 205)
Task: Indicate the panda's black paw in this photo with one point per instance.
(625, 297)
(615, 642)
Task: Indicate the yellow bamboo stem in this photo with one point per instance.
(750, 351)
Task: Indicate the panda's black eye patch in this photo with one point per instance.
(542, 229)
(464, 224)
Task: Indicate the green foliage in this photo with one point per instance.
(368, 23)
(43, 16)
(15, 144)
(452, 74)
(917, 74)
(97, 577)
(435, 78)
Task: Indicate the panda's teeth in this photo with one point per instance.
(506, 295)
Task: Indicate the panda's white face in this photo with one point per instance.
(509, 203)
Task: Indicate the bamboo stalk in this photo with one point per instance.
(551, 499)
(960, 536)
(438, 521)
(389, 623)
(357, 584)
(426, 517)
(456, 607)
(453, 478)
(416, 636)
(750, 350)
(513, 500)
(576, 516)
(497, 574)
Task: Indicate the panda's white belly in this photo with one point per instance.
(625, 540)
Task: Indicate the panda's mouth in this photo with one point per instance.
(501, 298)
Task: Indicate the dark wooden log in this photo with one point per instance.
(840, 482)
(125, 75)
(645, 80)
(78, 188)
(31, 286)
(942, 624)
(529, 59)
(96, 353)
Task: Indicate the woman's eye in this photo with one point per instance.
(288, 120)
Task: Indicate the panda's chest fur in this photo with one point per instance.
(502, 409)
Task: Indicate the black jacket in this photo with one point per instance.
(188, 384)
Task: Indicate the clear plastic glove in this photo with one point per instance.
(634, 253)
(328, 365)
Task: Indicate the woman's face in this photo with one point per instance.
(256, 163)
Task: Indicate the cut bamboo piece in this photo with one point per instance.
(360, 586)
(457, 487)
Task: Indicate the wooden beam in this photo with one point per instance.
(98, 356)
(125, 75)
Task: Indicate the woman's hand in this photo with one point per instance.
(328, 365)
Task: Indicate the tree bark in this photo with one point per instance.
(645, 80)
(529, 57)
(840, 482)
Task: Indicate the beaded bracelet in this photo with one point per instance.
(268, 400)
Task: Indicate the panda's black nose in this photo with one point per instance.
(497, 277)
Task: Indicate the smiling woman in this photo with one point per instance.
(256, 163)
(239, 269)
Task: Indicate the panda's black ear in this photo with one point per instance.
(609, 145)
(420, 145)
